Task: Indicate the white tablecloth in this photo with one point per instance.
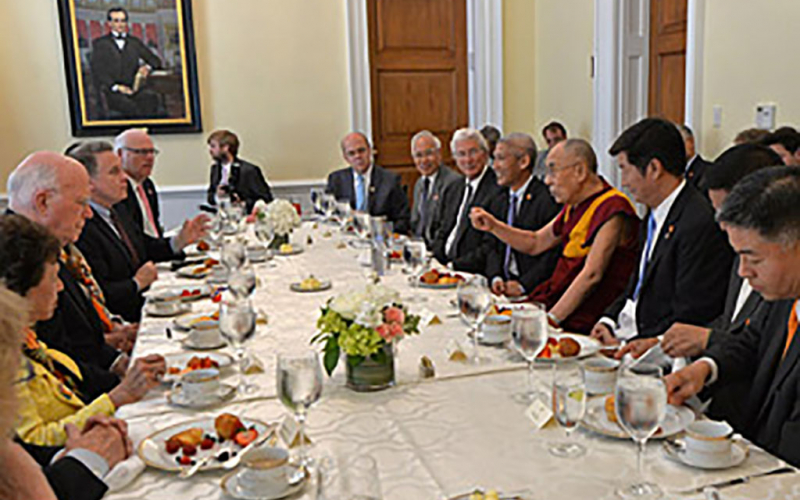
(432, 439)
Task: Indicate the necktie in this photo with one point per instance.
(512, 213)
(461, 226)
(148, 215)
(423, 207)
(360, 194)
(123, 235)
(792, 329)
(651, 229)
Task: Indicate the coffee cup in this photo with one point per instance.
(166, 305)
(206, 335)
(496, 329)
(600, 375)
(198, 385)
(264, 466)
(708, 441)
(218, 272)
(256, 253)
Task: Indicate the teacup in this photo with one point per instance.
(166, 305)
(218, 272)
(206, 335)
(264, 466)
(708, 441)
(496, 329)
(198, 385)
(256, 253)
(600, 375)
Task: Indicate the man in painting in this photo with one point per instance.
(120, 65)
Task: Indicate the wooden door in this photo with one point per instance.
(667, 59)
(418, 74)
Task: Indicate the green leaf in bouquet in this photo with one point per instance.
(331, 358)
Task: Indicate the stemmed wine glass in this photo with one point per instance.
(474, 301)
(343, 212)
(529, 332)
(242, 281)
(214, 230)
(316, 200)
(328, 206)
(233, 255)
(237, 323)
(569, 405)
(641, 405)
(415, 257)
(299, 381)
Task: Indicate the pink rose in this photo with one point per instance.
(384, 331)
(394, 315)
(395, 330)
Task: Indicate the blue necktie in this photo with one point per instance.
(512, 212)
(651, 229)
(360, 198)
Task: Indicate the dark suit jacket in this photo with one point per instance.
(772, 420)
(112, 263)
(471, 246)
(386, 196)
(245, 180)
(112, 66)
(444, 178)
(696, 172)
(686, 278)
(130, 205)
(536, 210)
(69, 478)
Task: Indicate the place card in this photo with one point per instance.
(289, 432)
(539, 413)
(428, 317)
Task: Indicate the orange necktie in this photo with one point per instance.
(792, 328)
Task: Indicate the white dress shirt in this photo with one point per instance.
(149, 229)
(474, 183)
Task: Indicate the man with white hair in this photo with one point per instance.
(138, 156)
(457, 242)
(426, 150)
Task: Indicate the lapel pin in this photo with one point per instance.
(670, 230)
(528, 197)
(436, 197)
(372, 189)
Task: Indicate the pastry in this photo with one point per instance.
(611, 412)
(568, 347)
(227, 425)
(189, 437)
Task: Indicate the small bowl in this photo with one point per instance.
(496, 329)
(600, 374)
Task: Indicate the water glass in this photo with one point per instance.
(569, 405)
(328, 206)
(343, 212)
(237, 324)
(529, 333)
(474, 301)
(233, 254)
(316, 199)
(242, 282)
(265, 232)
(640, 402)
(299, 386)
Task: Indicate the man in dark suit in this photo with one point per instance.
(369, 187)
(456, 241)
(786, 142)
(121, 256)
(233, 176)
(118, 72)
(527, 204)
(696, 166)
(138, 155)
(53, 190)
(684, 261)
(553, 133)
(426, 149)
(761, 216)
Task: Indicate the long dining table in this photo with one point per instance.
(432, 438)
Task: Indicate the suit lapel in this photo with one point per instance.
(111, 235)
(772, 370)
(374, 182)
(665, 237)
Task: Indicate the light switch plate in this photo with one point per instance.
(765, 116)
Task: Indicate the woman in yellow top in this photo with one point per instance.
(49, 383)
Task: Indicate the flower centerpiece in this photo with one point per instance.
(363, 325)
(281, 215)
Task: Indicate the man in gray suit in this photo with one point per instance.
(553, 133)
(426, 149)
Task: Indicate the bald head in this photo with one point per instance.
(53, 190)
(137, 153)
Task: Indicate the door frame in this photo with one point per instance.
(609, 75)
(484, 63)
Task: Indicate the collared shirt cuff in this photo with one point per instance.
(173, 244)
(118, 359)
(94, 462)
(496, 279)
(610, 323)
(714, 369)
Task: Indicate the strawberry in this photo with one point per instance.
(173, 446)
(184, 460)
(185, 293)
(195, 292)
(206, 444)
(245, 437)
(189, 450)
(546, 353)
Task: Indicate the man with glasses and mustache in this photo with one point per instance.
(595, 233)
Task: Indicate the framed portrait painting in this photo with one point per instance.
(130, 63)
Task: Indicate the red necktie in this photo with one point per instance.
(148, 212)
(123, 235)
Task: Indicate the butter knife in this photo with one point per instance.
(740, 480)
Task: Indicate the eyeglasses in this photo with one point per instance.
(553, 170)
(143, 151)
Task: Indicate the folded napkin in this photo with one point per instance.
(126, 471)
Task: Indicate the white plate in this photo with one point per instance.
(153, 452)
(190, 321)
(596, 420)
(183, 308)
(191, 251)
(179, 360)
(197, 271)
(589, 347)
(272, 491)
(225, 393)
(189, 343)
(196, 292)
(437, 286)
(739, 453)
(324, 285)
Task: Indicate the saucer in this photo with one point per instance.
(267, 491)
(177, 397)
(739, 453)
(189, 343)
(182, 308)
